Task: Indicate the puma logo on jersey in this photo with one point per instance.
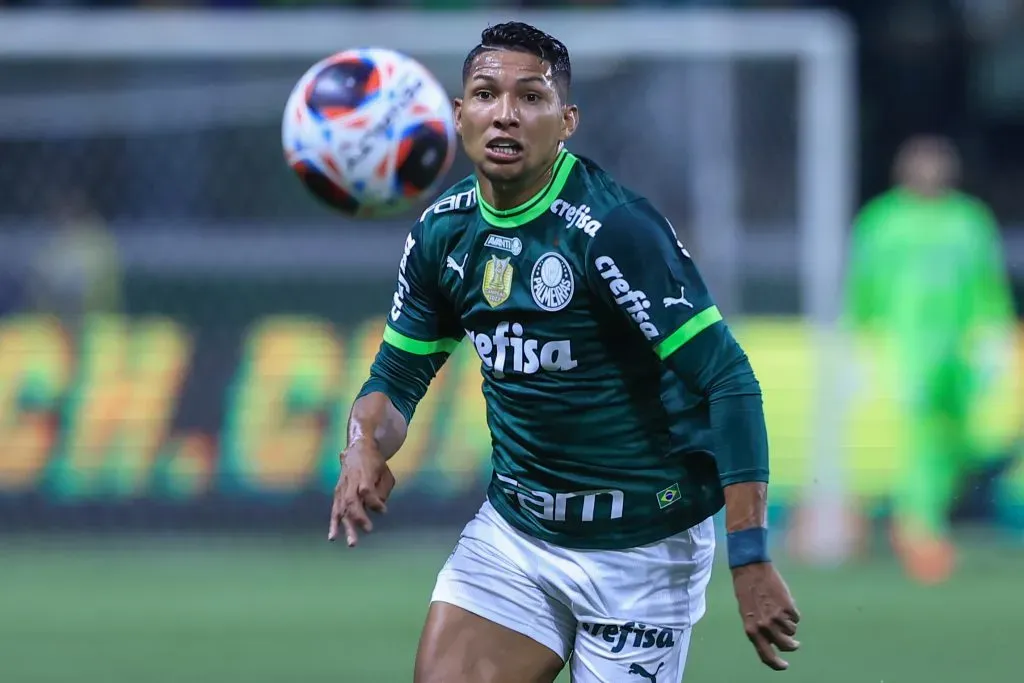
(509, 350)
(634, 301)
(575, 216)
(403, 284)
(459, 268)
(669, 301)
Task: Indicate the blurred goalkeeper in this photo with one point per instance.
(927, 283)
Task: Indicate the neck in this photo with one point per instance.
(504, 195)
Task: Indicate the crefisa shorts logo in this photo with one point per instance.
(551, 282)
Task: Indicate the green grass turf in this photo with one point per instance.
(220, 610)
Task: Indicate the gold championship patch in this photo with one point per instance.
(497, 284)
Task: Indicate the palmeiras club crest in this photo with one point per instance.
(551, 282)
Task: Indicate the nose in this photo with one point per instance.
(506, 114)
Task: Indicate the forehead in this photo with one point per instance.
(510, 64)
(929, 146)
(931, 154)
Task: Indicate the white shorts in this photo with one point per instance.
(623, 615)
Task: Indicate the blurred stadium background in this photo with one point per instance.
(182, 327)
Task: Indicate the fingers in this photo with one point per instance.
(769, 635)
(786, 621)
(371, 499)
(342, 515)
(786, 626)
(779, 632)
(349, 509)
(784, 642)
(353, 518)
(332, 529)
(766, 652)
(351, 535)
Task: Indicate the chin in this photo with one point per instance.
(502, 173)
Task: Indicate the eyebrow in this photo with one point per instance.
(523, 79)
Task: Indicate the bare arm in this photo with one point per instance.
(374, 420)
(377, 427)
(746, 506)
(420, 332)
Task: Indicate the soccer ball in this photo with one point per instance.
(370, 132)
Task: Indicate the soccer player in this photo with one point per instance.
(623, 413)
(927, 280)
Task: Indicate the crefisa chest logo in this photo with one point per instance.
(551, 282)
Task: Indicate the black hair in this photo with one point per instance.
(515, 35)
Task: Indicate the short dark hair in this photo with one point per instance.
(515, 35)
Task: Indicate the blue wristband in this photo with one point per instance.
(749, 546)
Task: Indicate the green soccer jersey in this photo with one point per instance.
(572, 301)
(927, 271)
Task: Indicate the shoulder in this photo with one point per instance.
(458, 201)
(600, 204)
(876, 212)
(880, 203)
(428, 234)
(974, 207)
(444, 220)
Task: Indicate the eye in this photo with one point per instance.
(483, 95)
(532, 97)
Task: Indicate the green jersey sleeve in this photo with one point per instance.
(420, 333)
(861, 287)
(636, 264)
(926, 266)
(993, 296)
(645, 275)
(421, 322)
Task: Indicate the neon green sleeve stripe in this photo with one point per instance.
(690, 329)
(417, 347)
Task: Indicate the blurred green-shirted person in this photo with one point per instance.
(78, 272)
(927, 283)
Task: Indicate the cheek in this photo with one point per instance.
(548, 130)
(468, 126)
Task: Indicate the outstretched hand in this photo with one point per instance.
(365, 483)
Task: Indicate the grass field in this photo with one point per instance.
(263, 610)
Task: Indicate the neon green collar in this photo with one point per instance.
(535, 205)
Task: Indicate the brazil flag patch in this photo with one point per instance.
(668, 496)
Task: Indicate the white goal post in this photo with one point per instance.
(821, 43)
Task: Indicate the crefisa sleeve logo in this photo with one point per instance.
(551, 282)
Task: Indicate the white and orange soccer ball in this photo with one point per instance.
(370, 132)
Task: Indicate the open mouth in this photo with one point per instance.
(504, 149)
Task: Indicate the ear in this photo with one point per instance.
(570, 121)
(457, 109)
